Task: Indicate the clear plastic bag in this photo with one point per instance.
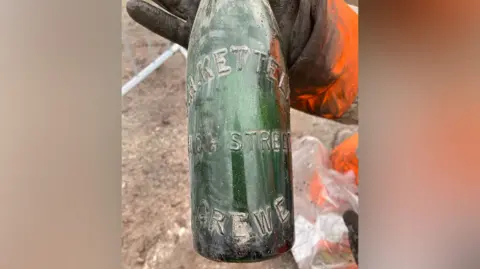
(322, 195)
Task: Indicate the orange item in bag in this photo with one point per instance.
(344, 157)
(317, 190)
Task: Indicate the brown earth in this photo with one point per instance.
(155, 187)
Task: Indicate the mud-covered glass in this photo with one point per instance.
(239, 133)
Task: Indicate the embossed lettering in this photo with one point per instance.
(285, 89)
(264, 62)
(265, 136)
(236, 141)
(240, 227)
(198, 142)
(261, 59)
(222, 67)
(263, 220)
(241, 230)
(272, 68)
(203, 211)
(263, 140)
(286, 141)
(241, 53)
(212, 143)
(202, 143)
(282, 212)
(192, 90)
(253, 139)
(276, 141)
(190, 144)
(282, 80)
(217, 223)
(204, 70)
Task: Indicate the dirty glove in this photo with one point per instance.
(321, 41)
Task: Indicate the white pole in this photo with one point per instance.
(184, 52)
(149, 69)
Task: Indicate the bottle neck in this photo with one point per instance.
(233, 2)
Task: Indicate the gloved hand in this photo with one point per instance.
(320, 42)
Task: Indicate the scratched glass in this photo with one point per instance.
(239, 133)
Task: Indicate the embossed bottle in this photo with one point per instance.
(239, 133)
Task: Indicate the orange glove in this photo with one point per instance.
(324, 79)
(320, 45)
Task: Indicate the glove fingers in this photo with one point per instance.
(159, 21)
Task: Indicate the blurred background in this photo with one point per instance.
(155, 185)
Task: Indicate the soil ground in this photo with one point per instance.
(155, 187)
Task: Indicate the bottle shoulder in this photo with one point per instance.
(243, 30)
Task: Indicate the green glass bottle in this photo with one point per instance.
(239, 133)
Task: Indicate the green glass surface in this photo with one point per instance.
(239, 133)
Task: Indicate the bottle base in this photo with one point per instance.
(245, 257)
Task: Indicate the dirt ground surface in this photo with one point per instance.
(155, 186)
